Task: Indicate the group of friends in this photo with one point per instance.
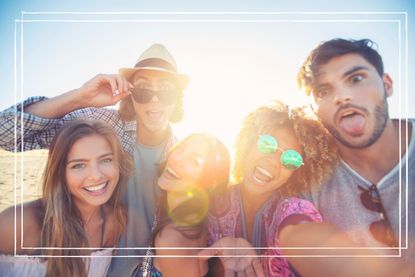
(327, 193)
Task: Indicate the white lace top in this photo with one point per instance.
(11, 266)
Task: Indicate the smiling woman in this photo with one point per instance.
(80, 207)
(279, 154)
(196, 169)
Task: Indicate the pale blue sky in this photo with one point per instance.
(235, 62)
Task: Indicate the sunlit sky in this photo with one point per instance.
(237, 56)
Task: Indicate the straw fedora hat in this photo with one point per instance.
(156, 58)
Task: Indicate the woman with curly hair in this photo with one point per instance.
(279, 154)
(80, 212)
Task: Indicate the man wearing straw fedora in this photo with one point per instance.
(150, 97)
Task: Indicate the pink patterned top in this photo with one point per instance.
(266, 227)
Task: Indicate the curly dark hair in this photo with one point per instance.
(328, 50)
(320, 152)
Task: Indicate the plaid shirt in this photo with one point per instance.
(20, 131)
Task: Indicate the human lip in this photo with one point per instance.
(172, 173)
(262, 175)
(351, 120)
(96, 188)
(348, 110)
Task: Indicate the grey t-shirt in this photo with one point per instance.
(141, 196)
(339, 203)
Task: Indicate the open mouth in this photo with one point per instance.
(96, 188)
(261, 175)
(172, 173)
(352, 122)
(154, 114)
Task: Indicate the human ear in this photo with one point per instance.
(388, 84)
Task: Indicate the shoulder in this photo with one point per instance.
(297, 206)
(25, 219)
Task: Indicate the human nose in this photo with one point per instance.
(95, 172)
(342, 96)
(178, 157)
(155, 98)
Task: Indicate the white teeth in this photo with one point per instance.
(172, 172)
(263, 171)
(258, 181)
(348, 113)
(96, 188)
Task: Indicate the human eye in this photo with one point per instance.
(107, 160)
(77, 166)
(356, 78)
(321, 92)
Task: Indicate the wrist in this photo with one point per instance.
(76, 99)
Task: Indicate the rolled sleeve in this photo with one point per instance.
(22, 131)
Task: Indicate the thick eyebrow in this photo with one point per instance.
(83, 160)
(354, 69)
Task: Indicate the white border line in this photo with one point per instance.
(214, 13)
(15, 137)
(202, 20)
(21, 134)
(231, 21)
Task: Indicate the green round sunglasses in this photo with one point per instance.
(290, 159)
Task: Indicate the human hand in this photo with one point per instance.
(236, 254)
(104, 90)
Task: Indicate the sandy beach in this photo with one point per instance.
(20, 173)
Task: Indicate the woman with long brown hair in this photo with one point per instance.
(197, 168)
(80, 210)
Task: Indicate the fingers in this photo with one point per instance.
(252, 270)
(108, 79)
(207, 253)
(249, 271)
(256, 265)
(118, 97)
(123, 86)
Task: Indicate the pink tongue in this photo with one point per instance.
(353, 124)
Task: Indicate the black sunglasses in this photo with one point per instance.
(381, 230)
(144, 96)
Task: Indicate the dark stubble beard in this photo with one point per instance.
(381, 116)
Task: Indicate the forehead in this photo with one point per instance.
(285, 136)
(338, 66)
(196, 144)
(89, 146)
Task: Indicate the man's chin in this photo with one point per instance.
(156, 128)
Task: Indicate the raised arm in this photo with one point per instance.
(33, 123)
(335, 243)
(100, 91)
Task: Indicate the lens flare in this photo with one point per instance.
(193, 210)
